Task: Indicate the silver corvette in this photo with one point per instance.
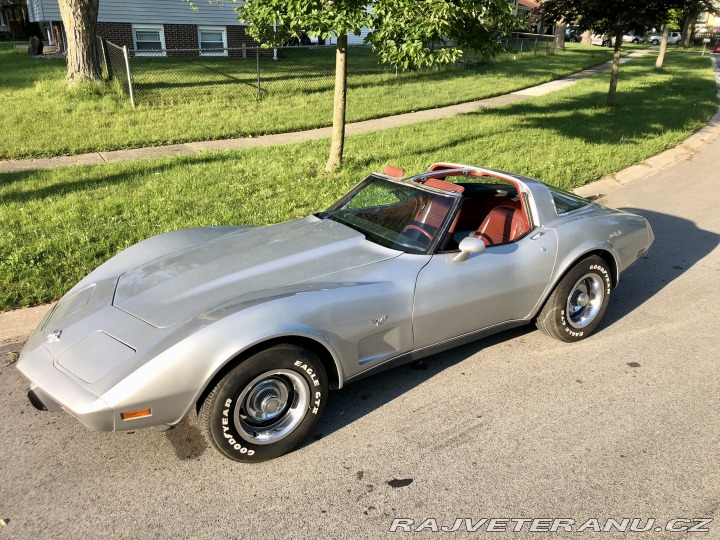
(251, 326)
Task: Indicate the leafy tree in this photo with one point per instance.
(688, 12)
(683, 14)
(13, 4)
(79, 18)
(613, 17)
(402, 33)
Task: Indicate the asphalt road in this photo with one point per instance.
(625, 424)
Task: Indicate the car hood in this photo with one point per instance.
(189, 282)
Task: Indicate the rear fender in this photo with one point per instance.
(566, 261)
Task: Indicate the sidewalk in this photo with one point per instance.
(97, 158)
(17, 325)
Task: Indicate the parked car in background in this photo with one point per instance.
(716, 49)
(673, 39)
(602, 40)
(632, 38)
(572, 35)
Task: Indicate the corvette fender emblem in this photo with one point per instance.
(378, 321)
(54, 336)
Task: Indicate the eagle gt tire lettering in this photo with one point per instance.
(267, 405)
(578, 302)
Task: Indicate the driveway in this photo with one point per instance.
(625, 424)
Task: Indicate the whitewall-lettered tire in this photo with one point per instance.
(579, 301)
(267, 405)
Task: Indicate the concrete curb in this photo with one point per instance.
(18, 324)
(98, 158)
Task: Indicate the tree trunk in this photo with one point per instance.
(338, 136)
(689, 21)
(615, 69)
(80, 19)
(560, 36)
(663, 47)
(587, 38)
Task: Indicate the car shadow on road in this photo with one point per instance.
(679, 245)
(363, 397)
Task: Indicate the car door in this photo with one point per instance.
(503, 283)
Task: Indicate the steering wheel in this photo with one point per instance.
(419, 229)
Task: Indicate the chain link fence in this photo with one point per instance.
(188, 75)
(115, 63)
(520, 42)
(173, 76)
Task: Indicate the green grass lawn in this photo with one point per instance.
(56, 225)
(41, 118)
(9, 45)
(308, 70)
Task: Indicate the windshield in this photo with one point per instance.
(393, 215)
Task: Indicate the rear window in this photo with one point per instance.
(566, 202)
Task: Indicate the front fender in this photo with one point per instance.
(172, 382)
(188, 358)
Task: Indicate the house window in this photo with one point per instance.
(213, 40)
(2, 17)
(149, 40)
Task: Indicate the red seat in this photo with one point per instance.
(502, 225)
(435, 211)
(431, 216)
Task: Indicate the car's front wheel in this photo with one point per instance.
(267, 405)
(579, 301)
(655, 42)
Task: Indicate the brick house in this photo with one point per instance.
(151, 27)
(12, 19)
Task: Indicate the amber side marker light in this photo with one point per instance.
(136, 414)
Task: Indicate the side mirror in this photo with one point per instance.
(467, 246)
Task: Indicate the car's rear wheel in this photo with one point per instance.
(655, 42)
(267, 405)
(579, 301)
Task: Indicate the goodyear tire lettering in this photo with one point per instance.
(224, 423)
(224, 419)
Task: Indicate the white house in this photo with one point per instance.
(156, 24)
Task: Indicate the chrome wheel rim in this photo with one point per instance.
(585, 300)
(271, 406)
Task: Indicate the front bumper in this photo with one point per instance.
(53, 390)
(41, 401)
(73, 370)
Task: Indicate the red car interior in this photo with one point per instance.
(502, 225)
